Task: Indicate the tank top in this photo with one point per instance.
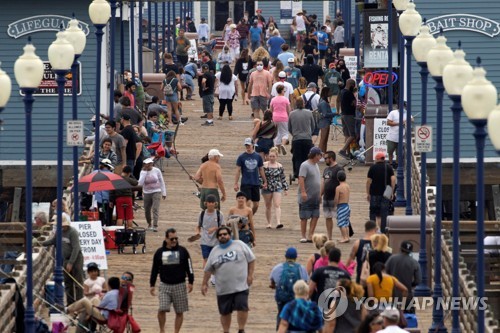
(301, 25)
(363, 243)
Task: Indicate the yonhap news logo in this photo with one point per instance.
(333, 303)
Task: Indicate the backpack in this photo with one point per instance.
(308, 102)
(167, 88)
(202, 215)
(246, 236)
(284, 289)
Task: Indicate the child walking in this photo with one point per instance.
(341, 201)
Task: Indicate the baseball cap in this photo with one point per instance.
(291, 253)
(148, 160)
(312, 85)
(315, 150)
(107, 163)
(248, 142)
(205, 66)
(291, 60)
(380, 156)
(125, 117)
(391, 314)
(406, 246)
(214, 152)
(282, 74)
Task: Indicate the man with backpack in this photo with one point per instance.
(283, 277)
(311, 100)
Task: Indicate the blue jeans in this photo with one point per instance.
(131, 164)
(243, 43)
(379, 206)
(255, 45)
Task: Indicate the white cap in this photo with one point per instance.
(148, 160)
(282, 74)
(291, 59)
(248, 141)
(214, 152)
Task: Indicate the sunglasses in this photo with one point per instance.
(223, 234)
(126, 278)
(174, 239)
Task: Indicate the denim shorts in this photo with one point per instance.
(172, 99)
(205, 250)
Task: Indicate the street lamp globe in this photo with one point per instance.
(410, 21)
(493, 126)
(61, 53)
(479, 96)
(457, 73)
(422, 44)
(99, 12)
(76, 36)
(5, 88)
(438, 57)
(400, 5)
(28, 68)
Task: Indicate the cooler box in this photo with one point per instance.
(109, 234)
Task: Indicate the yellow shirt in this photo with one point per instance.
(382, 290)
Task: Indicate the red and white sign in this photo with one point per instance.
(423, 139)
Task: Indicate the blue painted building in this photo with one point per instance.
(477, 26)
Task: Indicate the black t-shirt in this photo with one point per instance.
(211, 66)
(331, 181)
(308, 49)
(326, 277)
(311, 72)
(170, 67)
(380, 174)
(209, 85)
(128, 134)
(377, 256)
(242, 68)
(348, 102)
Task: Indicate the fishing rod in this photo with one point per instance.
(178, 161)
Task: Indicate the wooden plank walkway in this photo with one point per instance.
(181, 209)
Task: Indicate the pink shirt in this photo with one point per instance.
(322, 262)
(279, 105)
(261, 83)
(131, 97)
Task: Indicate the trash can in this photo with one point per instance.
(153, 81)
(407, 228)
(376, 131)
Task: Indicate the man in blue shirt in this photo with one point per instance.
(274, 44)
(255, 36)
(293, 74)
(322, 43)
(250, 166)
(109, 302)
(285, 54)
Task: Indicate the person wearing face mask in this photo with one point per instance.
(259, 88)
(225, 56)
(293, 74)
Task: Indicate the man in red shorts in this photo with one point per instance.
(123, 199)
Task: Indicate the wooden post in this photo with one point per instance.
(16, 205)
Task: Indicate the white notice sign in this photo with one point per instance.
(351, 62)
(74, 133)
(380, 130)
(91, 243)
(423, 139)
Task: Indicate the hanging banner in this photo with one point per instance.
(376, 39)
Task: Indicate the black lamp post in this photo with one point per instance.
(99, 12)
(61, 55)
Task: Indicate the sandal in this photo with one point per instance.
(279, 226)
(230, 117)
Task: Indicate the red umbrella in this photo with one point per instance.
(102, 181)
